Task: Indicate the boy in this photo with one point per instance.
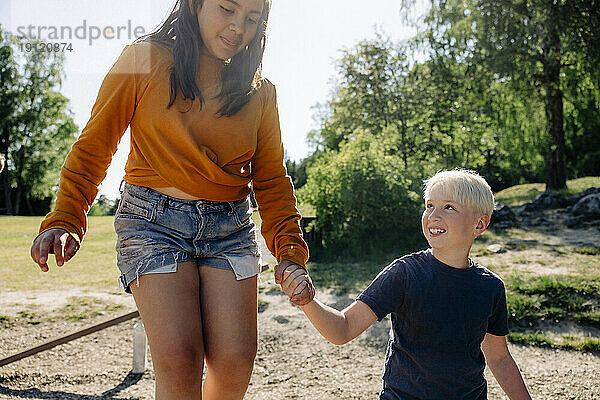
(447, 311)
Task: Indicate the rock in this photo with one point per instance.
(536, 221)
(574, 199)
(503, 217)
(496, 248)
(504, 225)
(549, 200)
(588, 206)
(576, 221)
(524, 209)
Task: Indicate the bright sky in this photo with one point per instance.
(304, 39)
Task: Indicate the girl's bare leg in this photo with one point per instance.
(229, 313)
(169, 305)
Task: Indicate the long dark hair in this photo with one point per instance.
(241, 75)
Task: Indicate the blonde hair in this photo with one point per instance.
(464, 187)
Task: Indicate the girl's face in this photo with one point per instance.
(227, 26)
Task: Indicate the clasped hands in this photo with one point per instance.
(295, 282)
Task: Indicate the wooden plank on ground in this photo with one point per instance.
(68, 338)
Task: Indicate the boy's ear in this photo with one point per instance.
(482, 223)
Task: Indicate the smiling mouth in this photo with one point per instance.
(230, 43)
(436, 231)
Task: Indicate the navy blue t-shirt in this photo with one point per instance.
(440, 315)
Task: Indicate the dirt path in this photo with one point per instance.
(293, 361)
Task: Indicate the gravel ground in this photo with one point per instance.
(293, 361)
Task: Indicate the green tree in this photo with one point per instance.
(531, 41)
(582, 123)
(9, 99)
(37, 127)
(518, 123)
(366, 95)
(104, 206)
(450, 119)
(363, 200)
(436, 113)
(297, 171)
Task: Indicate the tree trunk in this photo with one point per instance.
(4, 173)
(404, 144)
(19, 173)
(29, 207)
(7, 202)
(556, 178)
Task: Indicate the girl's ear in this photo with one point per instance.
(482, 223)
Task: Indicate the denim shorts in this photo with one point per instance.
(156, 231)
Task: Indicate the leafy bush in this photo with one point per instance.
(364, 199)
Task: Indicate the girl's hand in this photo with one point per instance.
(57, 241)
(295, 282)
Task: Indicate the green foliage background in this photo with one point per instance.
(510, 90)
(362, 201)
(36, 126)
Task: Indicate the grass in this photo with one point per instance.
(532, 300)
(566, 342)
(527, 251)
(551, 286)
(84, 307)
(93, 267)
(343, 276)
(553, 298)
(519, 194)
(591, 251)
(29, 317)
(77, 308)
(262, 305)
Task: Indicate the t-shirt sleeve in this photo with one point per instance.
(498, 321)
(386, 293)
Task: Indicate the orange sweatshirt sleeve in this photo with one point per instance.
(86, 165)
(273, 188)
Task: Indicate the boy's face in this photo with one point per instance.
(450, 227)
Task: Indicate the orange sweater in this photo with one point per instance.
(202, 154)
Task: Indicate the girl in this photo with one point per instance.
(204, 127)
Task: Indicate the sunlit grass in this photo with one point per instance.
(519, 194)
(567, 342)
(93, 268)
(553, 298)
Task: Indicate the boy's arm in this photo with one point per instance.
(340, 327)
(503, 367)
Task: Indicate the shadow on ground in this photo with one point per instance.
(130, 380)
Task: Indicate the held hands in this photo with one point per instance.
(57, 241)
(295, 282)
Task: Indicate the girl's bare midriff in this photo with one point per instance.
(174, 192)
